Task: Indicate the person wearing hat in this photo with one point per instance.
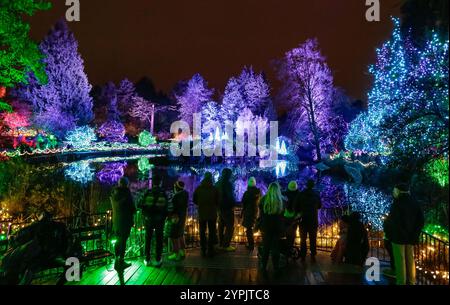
(178, 212)
(250, 203)
(291, 211)
(123, 210)
(406, 221)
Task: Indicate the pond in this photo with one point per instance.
(75, 188)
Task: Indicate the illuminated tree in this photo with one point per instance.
(113, 131)
(19, 118)
(64, 102)
(18, 54)
(81, 137)
(256, 93)
(143, 110)
(146, 139)
(408, 115)
(192, 96)
(307, 90)
(233, 101)
(125, 94)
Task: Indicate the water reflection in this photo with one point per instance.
(90, 182)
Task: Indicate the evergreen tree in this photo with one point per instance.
(64, 102)
(408, 115)
(192, 96)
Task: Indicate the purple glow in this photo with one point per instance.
(113, 131)
(111, 172)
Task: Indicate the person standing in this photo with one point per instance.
(123, 210)
(406, 221)
(357, 245)
(177, 215)
(226, 210)
(250, 203)
(309, 204)
(272, 226)
(291, 212)
(154, 205)
(206, 197)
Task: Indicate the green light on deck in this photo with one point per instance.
(113, 241)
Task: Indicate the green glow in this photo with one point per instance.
(144, 165)
(437, 169)
(437, 231)
(146, 139)
(113, 241)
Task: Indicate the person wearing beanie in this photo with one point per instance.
(291, 211)
(178, 212)
(405, 222)
(250, 202)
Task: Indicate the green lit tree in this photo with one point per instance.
(19, 55)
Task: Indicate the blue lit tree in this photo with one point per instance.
(408, 110)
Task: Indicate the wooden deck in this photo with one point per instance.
(238, 268)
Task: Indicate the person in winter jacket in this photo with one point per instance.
(250, 202)
(292, 211)
(123, 210)
(178, 212)
(272, 225)
(357, 245)
(309, 204)
(405, 223)
(155, 206)
(226, 210)
(206, 197)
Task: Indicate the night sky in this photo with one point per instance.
(171, 40)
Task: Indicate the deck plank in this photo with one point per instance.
(238, 268)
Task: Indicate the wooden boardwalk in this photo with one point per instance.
(238, 268)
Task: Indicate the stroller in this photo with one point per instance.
(287, 251)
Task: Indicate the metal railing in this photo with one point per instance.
(431, 254)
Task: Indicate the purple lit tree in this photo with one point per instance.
(192, 96)
(233, 101)
(113, 131)
(143, 110)
(256, 93)
(125, 93)
(64, 102)
(307, 89)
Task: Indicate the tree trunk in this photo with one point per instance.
(314, 129)
(152, 122)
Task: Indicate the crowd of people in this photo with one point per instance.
(277, 214)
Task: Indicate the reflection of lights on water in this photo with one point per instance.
(80, 172)
(280, 169)
(112, 172)
(144, 165)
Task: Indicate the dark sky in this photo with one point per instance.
(171, 40)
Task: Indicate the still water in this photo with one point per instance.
(75, 188)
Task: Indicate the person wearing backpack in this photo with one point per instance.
(154, 205)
